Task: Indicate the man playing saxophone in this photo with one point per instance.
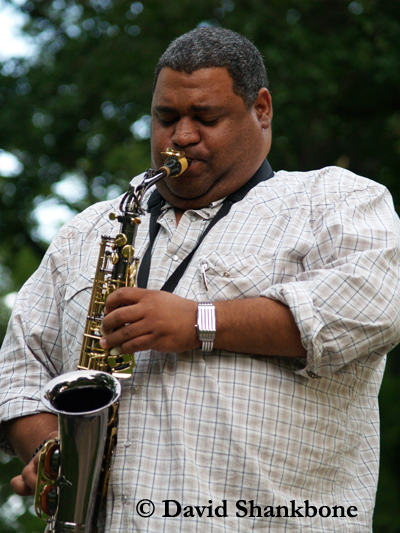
(258, 366)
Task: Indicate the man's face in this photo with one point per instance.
(225, 139)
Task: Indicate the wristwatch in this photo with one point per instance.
(206, 325)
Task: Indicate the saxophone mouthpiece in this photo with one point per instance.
(175, 164)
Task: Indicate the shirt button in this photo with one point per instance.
(193, 218)
(175, 258)
(124, 499)
(127, 443)
(133, 389)
(226, 274)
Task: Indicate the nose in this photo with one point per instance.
(186, 132)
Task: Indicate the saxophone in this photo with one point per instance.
(73, 470)
(120, 252)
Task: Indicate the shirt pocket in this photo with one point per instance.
(234, 275)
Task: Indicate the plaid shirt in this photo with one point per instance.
(221, 428)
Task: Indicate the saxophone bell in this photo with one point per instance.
(69, 470)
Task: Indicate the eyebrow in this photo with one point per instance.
(195, 108)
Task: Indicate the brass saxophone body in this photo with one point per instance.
(74, 469)
(117, 267)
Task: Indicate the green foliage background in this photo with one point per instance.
(334, 70)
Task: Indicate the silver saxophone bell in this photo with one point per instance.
(70, 467)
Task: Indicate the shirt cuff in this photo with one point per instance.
(17, 408)
(310, 324)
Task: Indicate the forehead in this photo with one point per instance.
(207, 86)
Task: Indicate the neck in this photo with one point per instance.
(178, 215)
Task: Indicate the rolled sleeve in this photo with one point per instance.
(31, 352)
(24, 368)
(346, 302)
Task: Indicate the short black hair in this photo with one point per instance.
(208, 47)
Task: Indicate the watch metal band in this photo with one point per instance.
(206, 325)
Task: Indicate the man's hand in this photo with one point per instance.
(142, 319)
(25, 484)
(25, 434)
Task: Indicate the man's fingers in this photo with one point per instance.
(25, 484)
(143, 319)
(122, 297)
(126, 333)
(19, 487)
(119, 317)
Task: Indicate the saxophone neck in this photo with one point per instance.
(175, 164)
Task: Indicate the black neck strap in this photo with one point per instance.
(154, 207)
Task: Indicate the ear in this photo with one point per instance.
(263, 108)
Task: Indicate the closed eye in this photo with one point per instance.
(166, 119)
(166, 122)
(208, 122)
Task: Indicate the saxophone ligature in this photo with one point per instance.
(73, 470)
